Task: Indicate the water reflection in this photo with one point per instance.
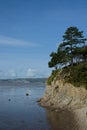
(63, 120)
(21, 112)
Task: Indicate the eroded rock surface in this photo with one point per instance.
(64, 95)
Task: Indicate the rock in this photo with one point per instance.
(64, 95)
(27, 94)
(39, 100)
(9, 99)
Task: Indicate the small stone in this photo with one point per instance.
(39, 100)
(9, 99)
(27, 94)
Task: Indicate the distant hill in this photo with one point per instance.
(22, 81)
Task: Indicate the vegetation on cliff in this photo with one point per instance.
(76, 75)
(70, 59)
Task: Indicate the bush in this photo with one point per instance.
(76, 75)
(52, 77)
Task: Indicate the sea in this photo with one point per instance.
(19, 109)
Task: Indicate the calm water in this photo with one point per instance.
(21, 112)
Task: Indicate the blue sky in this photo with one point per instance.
(31, 29)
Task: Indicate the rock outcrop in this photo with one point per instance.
(64, 95)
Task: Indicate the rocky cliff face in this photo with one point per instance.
(64, 95)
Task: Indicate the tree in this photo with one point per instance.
(72, 39)
(54, 60)
(72, 50)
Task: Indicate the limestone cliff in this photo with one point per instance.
(64, 95)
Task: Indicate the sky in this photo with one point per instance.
(31, 29)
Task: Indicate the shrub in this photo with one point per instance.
(76, 75)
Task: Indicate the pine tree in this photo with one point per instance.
(73, 40)
(72, 50)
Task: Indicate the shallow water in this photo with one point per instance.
(63, 120)
(21, 112)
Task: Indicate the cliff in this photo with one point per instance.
(67, 87)
(64, 95)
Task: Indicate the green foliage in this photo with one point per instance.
(76, 75)
(71, 55)
(72, 50)
(54, 60)
(52, 77)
